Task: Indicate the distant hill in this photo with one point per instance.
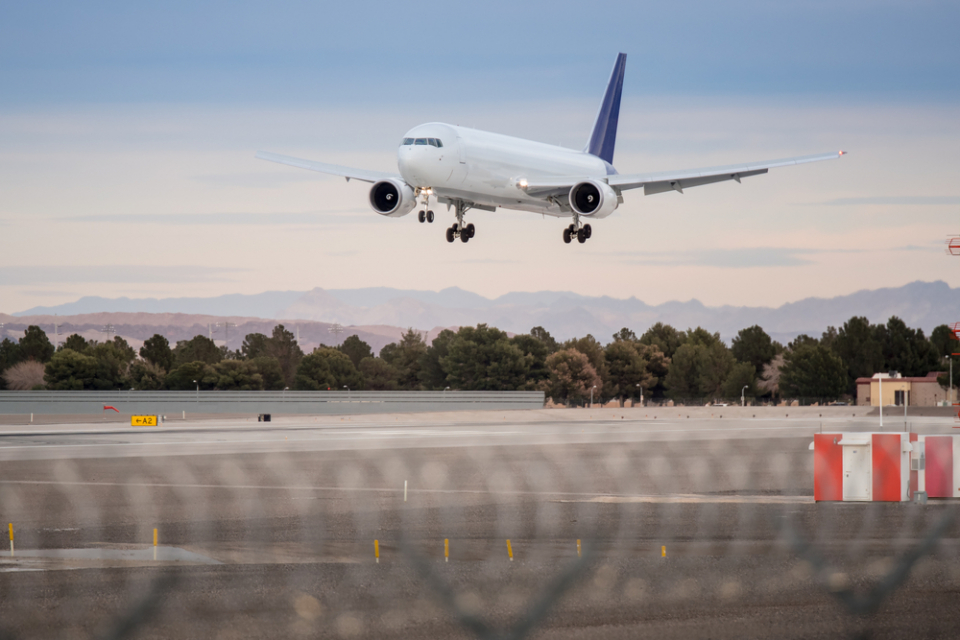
(137, 327)
(564, 314)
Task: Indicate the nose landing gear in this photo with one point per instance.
(425, 214)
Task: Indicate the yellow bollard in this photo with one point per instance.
(509, 550)
(11, 539)
(376, 550)
(154, 544)
(578, 547)
(446, 549)
(663, 551)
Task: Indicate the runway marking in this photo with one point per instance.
(576, 496)
(688, 498)
(226, 440)
(405, 433)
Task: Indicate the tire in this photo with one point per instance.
(450, 234)
(421, 216)
(581, 236)
(464, 236)
(471, 230)
(566, 235)
(573, 230)
(454, 227)
(430, 216)
(589, 230)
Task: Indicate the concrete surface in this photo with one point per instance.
(291, 509)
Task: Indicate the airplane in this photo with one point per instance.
(468, 169)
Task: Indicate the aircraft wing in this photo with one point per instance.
(679, 180)
(330, 169)
(670, 180)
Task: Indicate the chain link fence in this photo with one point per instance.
(709, 538)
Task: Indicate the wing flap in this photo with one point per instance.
(650, 188)
(330, 169)
(697, 177)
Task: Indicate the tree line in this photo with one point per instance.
(662, 363)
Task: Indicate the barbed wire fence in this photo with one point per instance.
(708, 538)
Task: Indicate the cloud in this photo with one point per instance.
(257, 180)
(352, 216)
(42, 293)
(745, 258)
(923, 201)
(44, 274)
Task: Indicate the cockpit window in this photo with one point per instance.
(433, 142)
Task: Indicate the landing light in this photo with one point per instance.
(842, 152)
(522, 183)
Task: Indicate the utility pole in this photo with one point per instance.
(226, 332)
(881, 398)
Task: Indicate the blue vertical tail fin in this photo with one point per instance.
(604, 134)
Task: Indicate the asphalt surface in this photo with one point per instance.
(687, 527)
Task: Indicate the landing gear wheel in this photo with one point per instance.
(450, 234)
(573, 229)
(471, 230)
(429, 216)
(589, 230)
(421, 216)
(566, 235)
(464, 236)
(582, 236)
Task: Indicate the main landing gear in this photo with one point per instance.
(582, 234)
(459, 229)
(464, 233)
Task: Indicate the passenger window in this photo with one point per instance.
(422, 141)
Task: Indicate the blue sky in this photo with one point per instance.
(127, 133)
(315, 53)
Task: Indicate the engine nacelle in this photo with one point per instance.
(593, 198)
(392, 198)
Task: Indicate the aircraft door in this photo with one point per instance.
(459, 172)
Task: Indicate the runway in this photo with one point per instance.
(326, 433)
(683, 526)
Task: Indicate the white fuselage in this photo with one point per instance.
(487, 168)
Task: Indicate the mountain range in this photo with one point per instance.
(564, 314)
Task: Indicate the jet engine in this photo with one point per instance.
(392, 198)
(593, 198)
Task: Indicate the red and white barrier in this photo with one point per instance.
(863, 467)
(940, 477)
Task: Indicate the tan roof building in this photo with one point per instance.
(898, 390)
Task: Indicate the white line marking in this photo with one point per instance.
(585, 496)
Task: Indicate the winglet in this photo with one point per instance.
(604, 134)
